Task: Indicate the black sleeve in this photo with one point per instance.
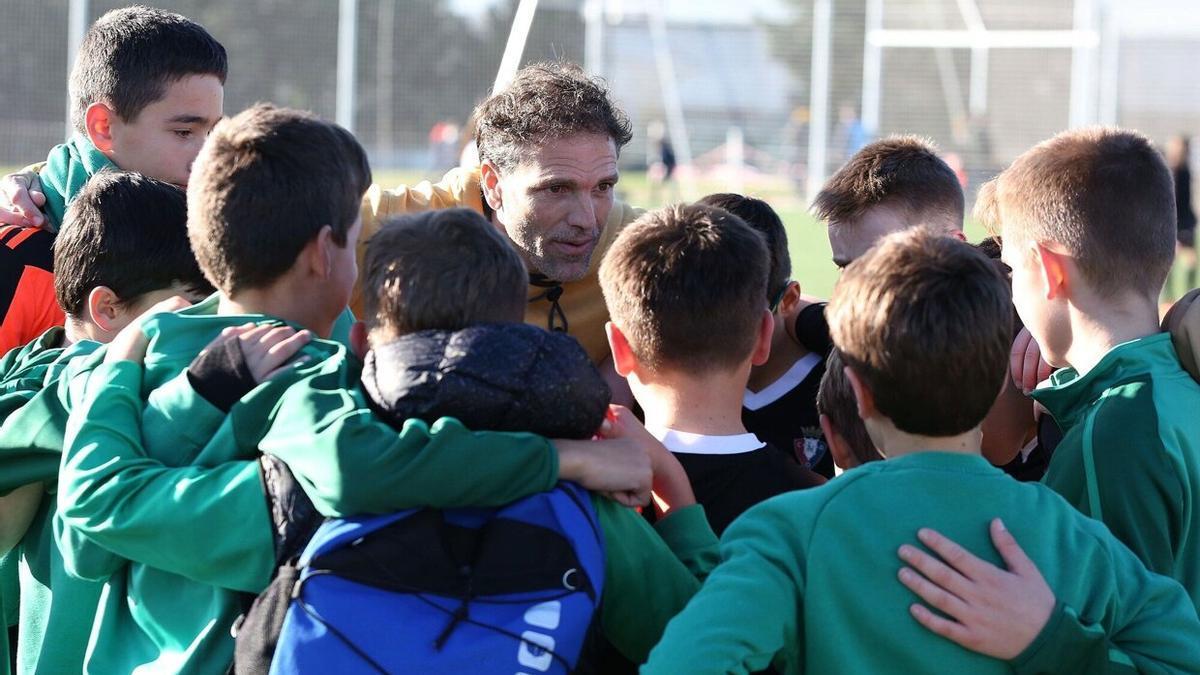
(221, 376)
(812, 331)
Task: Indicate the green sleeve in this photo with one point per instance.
(1149, 626)
(688, 534)
(31, 438)
(350, 462)
(1140, 507)
(646, 581)
(112, 494)
(747, 610)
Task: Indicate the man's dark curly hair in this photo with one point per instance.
(546, 101)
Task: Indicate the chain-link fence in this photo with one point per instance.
(736, 88)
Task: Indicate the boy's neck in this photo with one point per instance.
(893, 442)
(785, 352)
(708, 403)
(1096, 329)
(281, 303)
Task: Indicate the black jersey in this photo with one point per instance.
(784, 415)
(729, 474)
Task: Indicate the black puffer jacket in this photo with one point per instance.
(495, 377)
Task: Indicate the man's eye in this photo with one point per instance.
(183, 133)
(604, 187)
(557, 189)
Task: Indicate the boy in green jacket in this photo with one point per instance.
(145, 89)
(273, 217)
(124, 248)
(923, 323)
(1086, 282)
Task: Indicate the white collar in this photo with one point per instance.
(699, 444)
(753, 400)
(1028, 449)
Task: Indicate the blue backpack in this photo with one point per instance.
(507, 590)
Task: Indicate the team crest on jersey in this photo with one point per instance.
(811, 447)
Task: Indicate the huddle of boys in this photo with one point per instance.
(150, 441)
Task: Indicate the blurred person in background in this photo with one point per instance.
(1183, 279)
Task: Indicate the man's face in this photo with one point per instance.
(164, 138)
(849, 240)
(554, 203)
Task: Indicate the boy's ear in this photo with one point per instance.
(838, 447)
(863, 395)
(321, 253)
(1054, 268)
(624, 362)
(791, 299)
(762, 342)
(103, 308)
(489, 181)
(359, 344)
(958, 234)
(97, 121)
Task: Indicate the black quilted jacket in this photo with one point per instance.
(495, 377)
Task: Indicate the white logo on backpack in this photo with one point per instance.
(535, 651)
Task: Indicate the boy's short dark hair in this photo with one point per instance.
(129, 56)
(835, 400)
(440, 270)
(686, 284)
(993, 248)
(1104, 194)
(127, 232)
(926, 321)
(900, 171)
(265, 183)
(759, 215)
(544, 102)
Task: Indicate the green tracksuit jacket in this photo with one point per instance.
(809, 579)
(56, 610)
(1130, 456)
(178, 525)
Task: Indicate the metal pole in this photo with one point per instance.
(385, 38)
(978, 87)
(511, 61)
(872, 68)
(77, 23)
(346, 48)
(1083, 91)
(1110, 68)
(672, 102)
(818, 128)
(593, 37)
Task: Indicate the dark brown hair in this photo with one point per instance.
(900, 171)
(926, 321)
(130, 55)
(759, 215)
(440, 270)
(835, 400)
(545, 101)
(686, 284)
(265, 183)
(1104, 194)
(126, 232)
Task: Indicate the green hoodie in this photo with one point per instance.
(143, 520)
(56, 610)
(1130, 455)
(808, 579)
(67, 170)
